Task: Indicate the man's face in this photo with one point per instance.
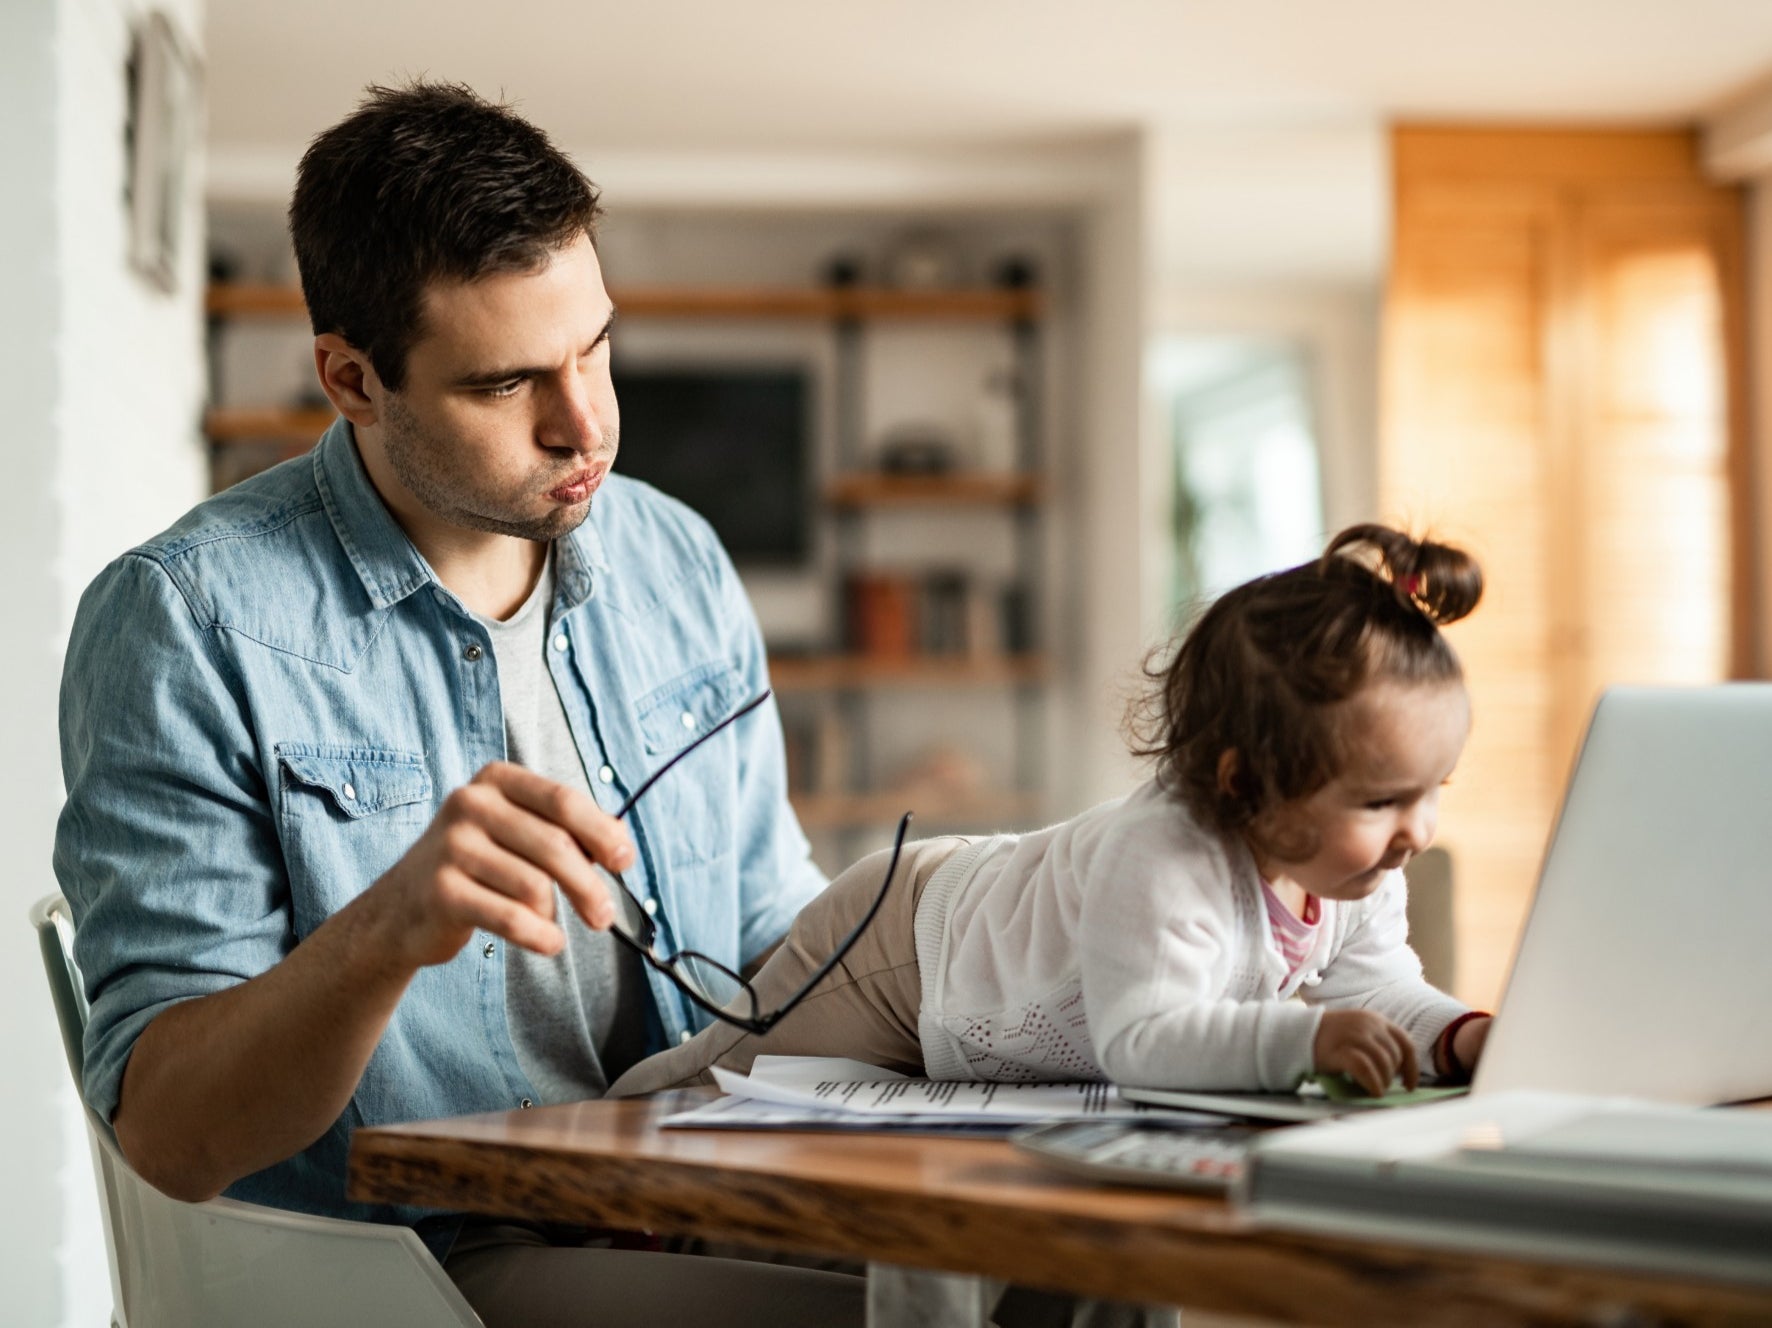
(507, 422)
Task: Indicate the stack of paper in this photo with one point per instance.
(818, 1092)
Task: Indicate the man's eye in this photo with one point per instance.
(1380, 804)
(509, 389)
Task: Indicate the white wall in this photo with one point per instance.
(103, 381)
(1282, 233)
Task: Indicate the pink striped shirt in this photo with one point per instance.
(1293, 936)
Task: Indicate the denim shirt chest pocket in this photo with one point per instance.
(692, 808)
(346, 815)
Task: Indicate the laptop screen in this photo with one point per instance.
(1642, 969)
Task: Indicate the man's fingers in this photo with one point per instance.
(555, 851)
(474, 904)
(480, 852)
(597, 833)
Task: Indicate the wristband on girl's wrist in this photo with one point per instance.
(1456, 1069)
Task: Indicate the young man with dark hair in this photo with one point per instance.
(342, 745)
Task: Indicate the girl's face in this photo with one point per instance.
(1402, 741)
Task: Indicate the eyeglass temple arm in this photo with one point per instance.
(824, 969)
(654, 777)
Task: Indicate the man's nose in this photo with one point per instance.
(573, 421)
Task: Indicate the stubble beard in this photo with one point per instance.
(444, 487)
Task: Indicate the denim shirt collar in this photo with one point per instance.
(387, 561)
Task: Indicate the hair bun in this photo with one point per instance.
(1441, 581)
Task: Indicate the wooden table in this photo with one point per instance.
(979, 1208)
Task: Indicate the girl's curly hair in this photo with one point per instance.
(1263, 669)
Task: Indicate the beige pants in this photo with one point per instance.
(866, 1008)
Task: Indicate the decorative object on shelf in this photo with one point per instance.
(161, 138)
(1017, 620)
(1015, 272)
(917, 449)
(844, 270)
(923, 258)
(942, 620)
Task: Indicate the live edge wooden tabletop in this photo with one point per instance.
(978, 1206)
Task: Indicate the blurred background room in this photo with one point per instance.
(992, 337)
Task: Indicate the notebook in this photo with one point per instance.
(1643, 968)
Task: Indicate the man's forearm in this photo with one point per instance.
(225, 1085)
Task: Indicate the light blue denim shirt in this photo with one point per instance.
(263, 708)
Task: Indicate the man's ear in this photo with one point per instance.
(1228, 769)
(347, 378)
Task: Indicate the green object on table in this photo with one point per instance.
(1340, 1088)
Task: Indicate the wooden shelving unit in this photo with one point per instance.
(255, 300)
(798, 673)
(957, 489)
(226, 425)
(828, 811)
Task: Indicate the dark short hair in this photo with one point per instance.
(424, 182)
(1263, 668)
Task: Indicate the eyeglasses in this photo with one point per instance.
(703, 979)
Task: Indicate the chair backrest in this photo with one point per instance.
(55, 936)
(227, 1262)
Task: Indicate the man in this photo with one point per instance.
(330, 832)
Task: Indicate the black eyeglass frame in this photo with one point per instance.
(668, 965)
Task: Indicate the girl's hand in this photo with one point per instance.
(1368, 1048)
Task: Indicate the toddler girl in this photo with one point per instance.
(1302, 731)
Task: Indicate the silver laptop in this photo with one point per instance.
(1644, 967)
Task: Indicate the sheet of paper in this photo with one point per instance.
(745, 1113)
(823, 1083)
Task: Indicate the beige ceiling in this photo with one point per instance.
(785, 75)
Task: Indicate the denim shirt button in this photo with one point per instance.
(489, 950)
(684, 1036)
(688, 720)
(526, 1104)
(560, 642)
(472, 654)
(606, 774)
(651, 907)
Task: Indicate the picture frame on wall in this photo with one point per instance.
(161, 140)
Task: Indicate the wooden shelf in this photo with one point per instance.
(243, 299)
(981, 812)
(249, 424)
(956, 489)
(256, 300)
(791, 673)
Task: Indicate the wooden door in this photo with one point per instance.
(1561, 395)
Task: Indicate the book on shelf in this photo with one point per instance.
(939, 613)
(1610, 1181)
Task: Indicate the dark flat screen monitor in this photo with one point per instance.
(731, 442)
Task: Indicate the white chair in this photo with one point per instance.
(224, 1262)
